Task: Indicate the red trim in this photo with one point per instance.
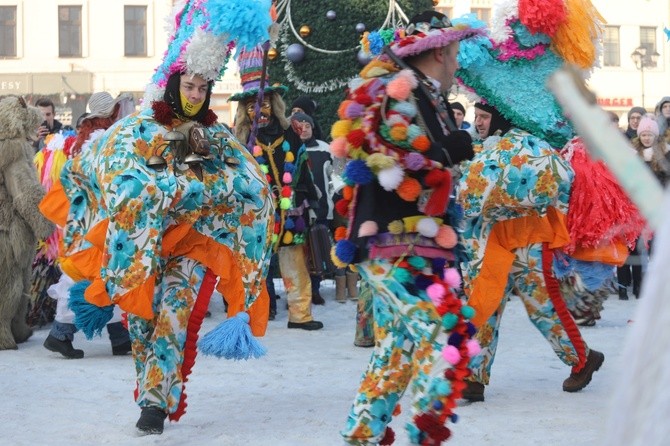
(190, 347)
(553, 289)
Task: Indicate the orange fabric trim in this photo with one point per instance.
(55, 205)
(134, 301)
(82, 265)
(614, 253)
(488, 288)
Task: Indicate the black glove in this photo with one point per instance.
(458, 145)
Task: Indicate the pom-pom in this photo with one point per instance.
(342, 207)
(421, 143)
(396, 227)
(286, 191)
(348, 193)
(265, 169)
(473, 348)
(300, 224)
(398, 132)
(455, 339)
(345, 251)
(257, 151)
(388, 438)
(285, 203)
(417, 262)
(446, 237)
(340, 233)
(399, 88)
(289, 158)
(427, 227)
(433, 427)
(542, 16)
(390, 178)
(368, 228)
(88, 318)
(422, 282)
(379, 161)
(341, 110)
(289, 224)
(449, 321)
(413, 131)
(358, 172)
(451, 354)
(402, 275)
(436, 293)
(409, 189)
(232, 339)
(405, 108)
(414, 161)
(468, 312)
(340, 128)
(452, 278)
(339, 147)
(287, 178)
(287, 238)
(275, 238)
(356, 138)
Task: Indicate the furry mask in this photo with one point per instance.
(18, 120)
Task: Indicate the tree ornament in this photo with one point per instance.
(360, 27)
(331, 15)
(272, 53)
(295, 53)
(305, 31)
(363, 58)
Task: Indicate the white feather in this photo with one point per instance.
(152, 93)
(205, 55)
(503, 10)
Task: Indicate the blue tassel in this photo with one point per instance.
(232, 339)
(88, 318)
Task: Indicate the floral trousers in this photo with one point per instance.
(158, 344)
(527, 281)
(409, 338)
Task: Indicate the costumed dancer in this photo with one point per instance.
(396, 128)
(21, 224)
(104, 111)
(175, 202)
(515, 192)
(261, 122)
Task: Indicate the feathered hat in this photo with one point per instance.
(203, 34)
(529, 41)
(250, 63)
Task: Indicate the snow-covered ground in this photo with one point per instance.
(300, 393)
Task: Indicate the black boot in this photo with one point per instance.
(65, 348)
(623, 293)
(151, 421)
(309, 325)
(122, 349)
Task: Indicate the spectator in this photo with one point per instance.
(50, 124)
(634, 116)
(459, 116)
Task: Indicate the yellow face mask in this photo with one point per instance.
(190, 110)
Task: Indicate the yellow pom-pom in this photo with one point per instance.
(398, 132)
(378, 161)
(285, 203)
(396, 227)
(288, 238)
(340, 128)
(289, 158)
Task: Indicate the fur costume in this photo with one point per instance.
(21, 224)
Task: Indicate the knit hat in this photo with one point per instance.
(458, 106)
(202, 36)
(302, 117)
(529, 41)
(100, 105)
(251, 71)
(306, 104)
(498, 121)
(648, 125)
(641, 111)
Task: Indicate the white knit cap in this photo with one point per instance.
(100, 105)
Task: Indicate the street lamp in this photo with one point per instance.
(643, 60)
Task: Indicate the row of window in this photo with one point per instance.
(612, 49)
(70, 31)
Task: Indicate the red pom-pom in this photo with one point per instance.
(363, 99)
(432, 426)
(286, 191)
(162, 112)
(210, 118)
(356, 138)
(342, 207)
(389, 437)
(542, 16)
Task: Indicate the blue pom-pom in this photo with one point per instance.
(359, 172)
(345, 251)
(471, 329)
(454, 418)
(88, 318)
(422, 282)
(289, 223)
(289, 167)
(438, 266)
(232, 339)
(455, 339)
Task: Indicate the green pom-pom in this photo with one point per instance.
(275, 237)
(265, 169)
(468, 312)
(402, 275)
(449, 321)
(285, 203)
(417, 262)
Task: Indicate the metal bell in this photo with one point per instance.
(156, 162)
(192, 158)
(231, 161)
(174, 136)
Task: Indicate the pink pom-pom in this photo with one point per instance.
(446, 237)
(399, 88)
(452, 278)
(368, 228)
(436, 292)
(451, 354)
(354, 110)
(473, 348)
(257, 151)
(287, 178)
(339, 147)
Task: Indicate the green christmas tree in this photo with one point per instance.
(330, 44)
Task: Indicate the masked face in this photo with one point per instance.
(266, 111)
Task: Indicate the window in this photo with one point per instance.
(612, 52)
(69, 31)
(483, 14)
(135, 30)
(7, 31)
(648, 38)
